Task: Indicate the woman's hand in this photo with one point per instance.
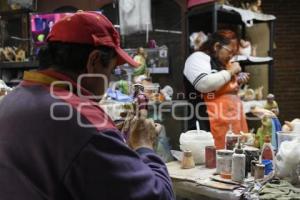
(243, 78)
(143, 133)
(234, 68)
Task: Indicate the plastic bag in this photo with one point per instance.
(288, 160)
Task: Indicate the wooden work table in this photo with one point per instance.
(196, 184)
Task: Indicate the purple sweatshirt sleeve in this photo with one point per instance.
(107, 169)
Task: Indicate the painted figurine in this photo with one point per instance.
(265, 129)
(140, 58)
(272, 104)
(141, 100)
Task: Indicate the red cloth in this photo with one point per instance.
(191, 3)
(89, 28)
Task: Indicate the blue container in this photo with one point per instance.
(38, 24)
(268, 166)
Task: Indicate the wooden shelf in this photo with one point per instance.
(208, 17)
(19, 65)
(225, 15)
(250, 60)
(15, 12)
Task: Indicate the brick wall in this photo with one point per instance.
(287, 55)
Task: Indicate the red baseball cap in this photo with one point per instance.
(89, 28)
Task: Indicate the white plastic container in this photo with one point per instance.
(284, 136)
(196, 141)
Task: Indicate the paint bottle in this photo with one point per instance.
(267, 152)
(187, 160)
(210, 157)
(231, 139)
(238, 164)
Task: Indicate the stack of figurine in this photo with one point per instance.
(12, 54)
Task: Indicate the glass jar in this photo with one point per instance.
(224, 161)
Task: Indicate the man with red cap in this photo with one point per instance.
(57, 143)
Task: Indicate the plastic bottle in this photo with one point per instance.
(267, 152)
(238, 164)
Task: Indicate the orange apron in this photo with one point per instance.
(224, 107)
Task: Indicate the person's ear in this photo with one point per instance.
(217, 46)
(93, 61)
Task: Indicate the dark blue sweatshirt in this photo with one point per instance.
(55, 146)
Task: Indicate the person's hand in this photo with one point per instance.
(243, 78)
(234, 68)
(143, 133)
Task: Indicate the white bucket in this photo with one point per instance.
(196, 142)
(284, 136)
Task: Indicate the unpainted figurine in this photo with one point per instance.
(290, 125)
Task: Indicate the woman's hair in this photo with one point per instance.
(71, 56)
(224, 37)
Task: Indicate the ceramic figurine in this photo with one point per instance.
(259, 93)
(141, 100)
(265, 129)
(20, 55)
(254, 50)
(272, 104)
(140, 58)
(152, 44)
(261, 112)
(242, 91)
(167, 91)
(8, 54)
(289, 125)
(245, 48)
(255, 6)
(256, 142)
(197, 39)
(249, 95)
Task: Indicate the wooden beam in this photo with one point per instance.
(102, 3)
(182, 4)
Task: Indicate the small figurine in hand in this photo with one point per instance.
(272, 104)
(243, 78)
(143, 133)
(141, 100)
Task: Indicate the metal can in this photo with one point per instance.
(210, 157)
(259, 171)
(253, 165)
(224, 161)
